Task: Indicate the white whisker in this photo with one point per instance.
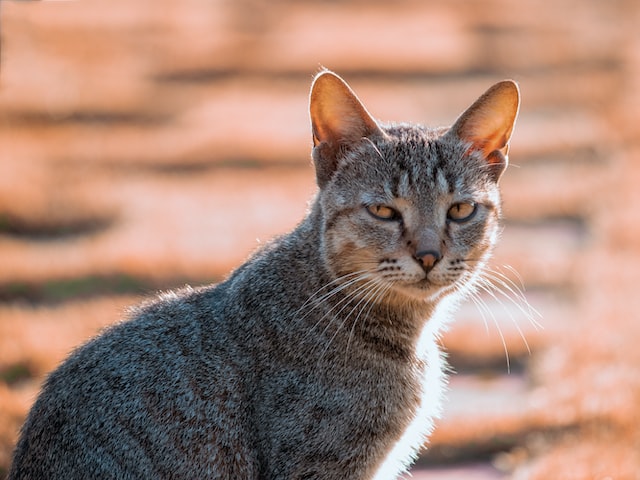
(509, 290)
(482, 306)
(313, 298)
(319, 301)
(376, 291)
(489, 289)
(505, 291)
(366, 286)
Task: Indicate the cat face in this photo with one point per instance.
(412, 212)
(408, 214)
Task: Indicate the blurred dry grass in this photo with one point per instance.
(147, 144)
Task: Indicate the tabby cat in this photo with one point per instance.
(317, 358)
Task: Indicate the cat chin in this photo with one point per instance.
(425, 291)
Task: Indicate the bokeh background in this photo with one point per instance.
(151, 143)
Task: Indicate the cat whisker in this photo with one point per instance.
(379, 289)
(499, 286)
(369, 284)
(363, 279)
(371, 288)
(340, 284)
(316, 300)
(520, 291)
(313, 297)
(512, 290)
(515, 288)
(502, 284)
(346, 300)
(490, 290)
(482, 306)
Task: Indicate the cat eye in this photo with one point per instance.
(461, 212)
(382, 212)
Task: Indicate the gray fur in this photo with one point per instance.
(294, 367)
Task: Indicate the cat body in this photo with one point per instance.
(316, 359)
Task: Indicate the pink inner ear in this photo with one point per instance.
(494, 142)
(337, 115)
(343, 122)
(487, 131)
(488, 123)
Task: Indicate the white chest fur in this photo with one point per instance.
(406, 449)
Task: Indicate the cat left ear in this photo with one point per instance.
(487, 125)
(338, 119)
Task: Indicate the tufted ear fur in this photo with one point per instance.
(338, 120)
(487, 124)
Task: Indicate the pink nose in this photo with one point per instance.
(428, 258)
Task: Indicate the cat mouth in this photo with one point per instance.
(423, 289)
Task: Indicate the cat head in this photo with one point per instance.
(411, 211)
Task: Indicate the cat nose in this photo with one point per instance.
(428, 258)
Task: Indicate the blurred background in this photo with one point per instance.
(151, 143)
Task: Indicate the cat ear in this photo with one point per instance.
(338, 119)
(488, 123)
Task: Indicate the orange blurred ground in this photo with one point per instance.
(148, 144)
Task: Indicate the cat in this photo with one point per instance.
(317, 358)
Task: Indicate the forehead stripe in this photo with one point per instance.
(403, 185)
(443, 184)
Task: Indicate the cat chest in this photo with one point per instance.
(404, 449)
(357, 424)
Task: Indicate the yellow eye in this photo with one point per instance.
(382, 212)
(461, 212)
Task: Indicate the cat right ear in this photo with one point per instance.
(338, 119)
(487, 125)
